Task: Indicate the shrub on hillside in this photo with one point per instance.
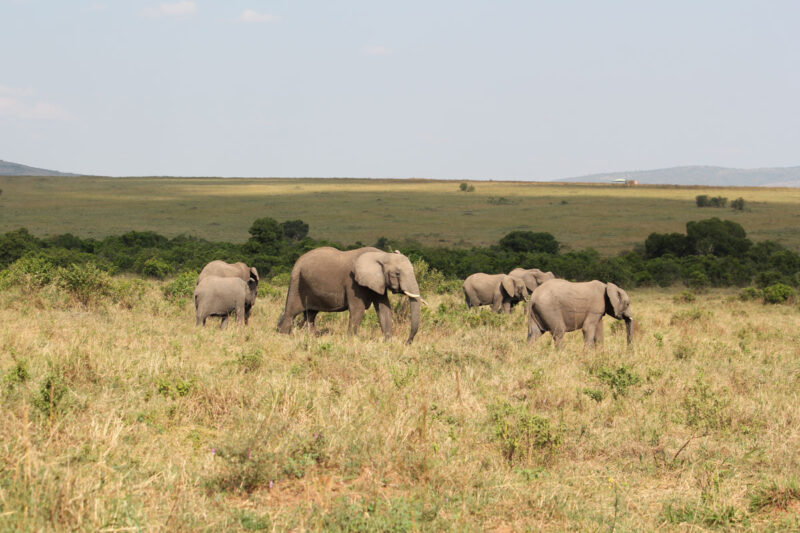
(86, 283)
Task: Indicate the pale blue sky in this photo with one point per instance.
(444, 89)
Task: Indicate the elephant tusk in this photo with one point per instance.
(412, 295)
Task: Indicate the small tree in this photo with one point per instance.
(738, 204)
(294, 229)
(463, 187)
(702, 200)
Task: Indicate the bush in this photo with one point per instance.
(778, 293)
(85, 283)
(29, 272)
(181, 287)
(522, 434)
(618, 380)
(738, 204)
(156, 268)
(749, 293)
(528, 241)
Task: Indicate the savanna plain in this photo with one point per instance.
(119, 414)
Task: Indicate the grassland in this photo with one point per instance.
(126, 417)
(607, 218)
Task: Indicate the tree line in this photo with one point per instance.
(712, 252)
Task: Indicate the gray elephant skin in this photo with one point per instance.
(228, 270)
(218, 296)
(501, 291)
(533, 277)
(327, 279)
(559, 306)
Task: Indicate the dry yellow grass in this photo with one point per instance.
(161, 423)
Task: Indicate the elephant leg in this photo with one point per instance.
(497, 304)
(598, 333)
(533, 332)
(309, 317)
(247, 309)
(507, 305)
(199, 320)
(293, 308)
(384, 310)
(357, 310)
(224, 322)
(558, 338)
(240, 319)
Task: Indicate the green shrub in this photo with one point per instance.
(705, 409)
(250, 361)
(48, 399)
(522, 434)
(738, 204)
(778, 293)
(156, 268)
(619, 380)
(29, 272)
(594, 394)
(750, 293)
(181, 287)
(17, 374)
(174, 387)
(127, 292)
(86, 283)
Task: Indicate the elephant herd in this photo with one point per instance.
(329, 280)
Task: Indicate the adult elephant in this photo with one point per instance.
(559, 306)
(500, 291)
(327, 279)
(533, 277)
(228, 270)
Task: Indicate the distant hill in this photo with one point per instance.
(702, 175)
(15, 169)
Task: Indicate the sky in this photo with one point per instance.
(449, 89)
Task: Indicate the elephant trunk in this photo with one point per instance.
(411, 289)
(629, 328)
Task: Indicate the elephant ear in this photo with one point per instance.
(508, 285)
(530, 281)
(254, 274)
(616, 298)
(369, 272)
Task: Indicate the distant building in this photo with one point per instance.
(625, 182)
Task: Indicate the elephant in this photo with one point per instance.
(327, 279)
(533, 277)
(559, 306)
(221, 296)
(228, 270)
(500, 291)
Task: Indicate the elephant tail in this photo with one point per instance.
(534, 320)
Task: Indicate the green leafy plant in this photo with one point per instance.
(778, 293)
(522, 434)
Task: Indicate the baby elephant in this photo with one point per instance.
(500, 291)
(559, 306)
(218, 296)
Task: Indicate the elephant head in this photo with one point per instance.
(514, 287)
(382, 271)
(533, 277)
(618, 305)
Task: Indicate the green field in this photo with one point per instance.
(607, 218)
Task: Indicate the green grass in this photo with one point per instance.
(604, 217)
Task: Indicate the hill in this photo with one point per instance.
(8, 168)
(703, 175)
